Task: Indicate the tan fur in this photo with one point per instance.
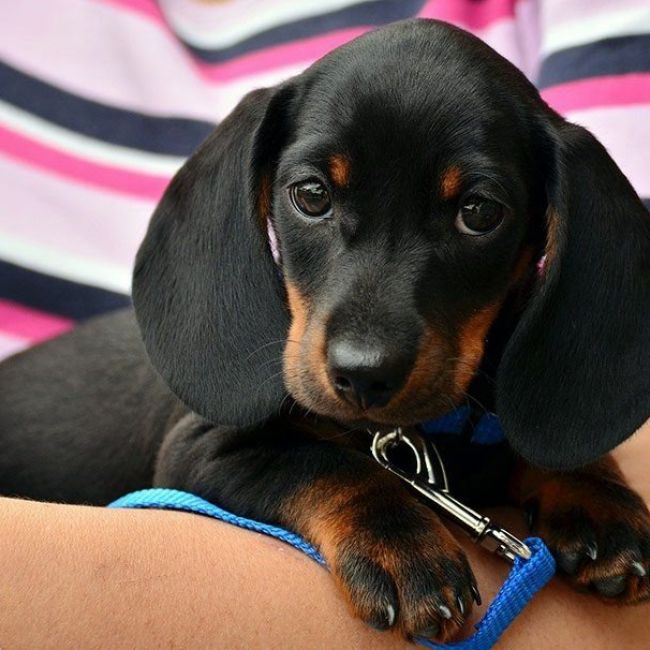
(339, 166)
(299, 315)
(450, 183)
(471, 344)
(429, 358)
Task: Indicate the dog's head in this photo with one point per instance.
(411, 182)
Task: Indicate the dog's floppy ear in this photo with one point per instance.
(574, 380)
(206, 292)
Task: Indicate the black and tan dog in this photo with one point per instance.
(414, 180)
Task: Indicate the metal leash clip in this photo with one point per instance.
(430, 480)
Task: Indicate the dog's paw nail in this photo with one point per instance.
(569, 561)
(611, 587)
(591, 549)
(390, 615)
(430, 631)
(384, 619)
(476, 594)
(444, 611)
(637, 569)
(461, 605)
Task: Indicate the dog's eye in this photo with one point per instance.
(311, 198)
(479, 216)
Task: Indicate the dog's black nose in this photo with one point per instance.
(366, 375)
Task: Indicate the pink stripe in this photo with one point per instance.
(105, 50)
(146, 8)
(619, 90)
(26, 323)
(474, 16)
(304, 51)
(466, 13)
(470, 14)
(163, 47)
(90, 173)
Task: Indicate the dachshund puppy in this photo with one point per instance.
(401, 228)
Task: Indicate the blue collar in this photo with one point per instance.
(487, 431)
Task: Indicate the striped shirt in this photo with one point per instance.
(102, 100)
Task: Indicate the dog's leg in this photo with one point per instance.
(597, 527)
(395, 561)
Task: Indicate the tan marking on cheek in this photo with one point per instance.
(429, 358)
(318, 360)
(471, 344)
(299, 311)
(339, 167)
(450, 183)
(305, 351)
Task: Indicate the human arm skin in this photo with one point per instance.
(75, 576)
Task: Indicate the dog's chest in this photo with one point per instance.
(477, 458)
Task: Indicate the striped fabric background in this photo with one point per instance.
(101, 101)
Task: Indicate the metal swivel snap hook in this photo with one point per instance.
(430, 480)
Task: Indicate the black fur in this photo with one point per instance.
(575, 378)
(207, 296)
(82, 417)
(209, 407)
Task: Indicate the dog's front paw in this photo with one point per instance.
(405, 571)
(599, 532)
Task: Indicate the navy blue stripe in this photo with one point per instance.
(372, 13)
(646, 202)
(164, 135)
(611, 56)
(56, 296)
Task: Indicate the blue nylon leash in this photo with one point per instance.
(168, 499)
(525, 579)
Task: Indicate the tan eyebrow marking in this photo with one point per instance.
(450, 182)
(340, 169)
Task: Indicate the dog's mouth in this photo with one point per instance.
(359, 381)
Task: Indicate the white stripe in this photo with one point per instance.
(85, 147)
(232, 92)
(11, 345)
(623, 130)
(218, 26)
(587, 29)
(75, 219)
(503, 36)
(62, 264)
